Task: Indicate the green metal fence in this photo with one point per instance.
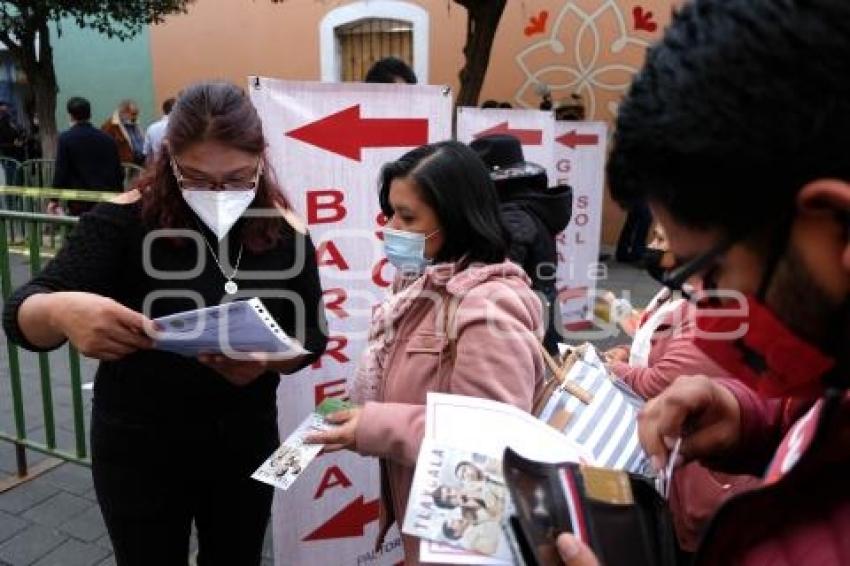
(61, 225)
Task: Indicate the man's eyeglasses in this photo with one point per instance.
(676, 278)
(192, 184)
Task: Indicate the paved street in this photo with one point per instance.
(54, 520)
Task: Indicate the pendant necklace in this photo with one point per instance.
(230, 286)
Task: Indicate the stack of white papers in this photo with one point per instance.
(231, 328)
(479, 430)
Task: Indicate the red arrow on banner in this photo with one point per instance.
(350, 522)
(346, 133)
(573, 139)
(525, 137)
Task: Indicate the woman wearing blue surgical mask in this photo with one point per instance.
(175, 439)
(461, 318)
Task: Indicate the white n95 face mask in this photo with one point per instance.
(219, 210)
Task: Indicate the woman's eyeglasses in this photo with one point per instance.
(192, 184)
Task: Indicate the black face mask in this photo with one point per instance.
(652, 263)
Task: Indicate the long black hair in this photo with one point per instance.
(453, 181)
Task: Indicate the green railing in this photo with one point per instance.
(34, 200)
(79, 453)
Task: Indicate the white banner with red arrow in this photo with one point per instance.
(572, 153)
(327, 143)
(580, 152)
(533, 128)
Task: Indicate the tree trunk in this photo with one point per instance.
(483, 20)
(45, 90)
(41, 75)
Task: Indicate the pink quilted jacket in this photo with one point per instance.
(696, 492)
(497, 326)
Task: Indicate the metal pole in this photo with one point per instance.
(43, 361)
(14, 363)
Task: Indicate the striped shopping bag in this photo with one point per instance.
(593, 409)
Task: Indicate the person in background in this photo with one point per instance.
(462, 318)
(86, 158)
(11, 142)
(739, 144)
(534, 215)
(174, 439)
(390, 70)
(664, 349)
(663, 345)
(631, 245)
(11, 136)
(156, 131)
(123, 127)
(570, 109)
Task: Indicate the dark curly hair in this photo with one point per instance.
(738, 106)
(221, 112)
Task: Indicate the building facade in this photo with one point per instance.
(586, 47)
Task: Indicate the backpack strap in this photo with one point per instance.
(450, 307)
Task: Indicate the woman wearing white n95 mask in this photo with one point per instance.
(175, 439)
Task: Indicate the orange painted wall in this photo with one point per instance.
(588, 46)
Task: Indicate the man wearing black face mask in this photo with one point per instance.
(739, 143)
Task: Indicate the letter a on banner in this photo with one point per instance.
(327, 143)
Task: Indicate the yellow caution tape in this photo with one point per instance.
(61, 194)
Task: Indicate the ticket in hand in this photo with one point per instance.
(286, 464)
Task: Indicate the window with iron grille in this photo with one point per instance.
(363, 42)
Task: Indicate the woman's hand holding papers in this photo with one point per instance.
(248, 366)
(99, 327)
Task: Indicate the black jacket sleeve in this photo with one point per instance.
(309, 286)
(87, 262)
(62, 173)
(118, 182)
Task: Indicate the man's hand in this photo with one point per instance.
(699, 410)
(574, 552)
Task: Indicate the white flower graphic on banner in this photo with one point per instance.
(588, 52)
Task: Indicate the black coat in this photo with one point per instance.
(87, 159)
(9, 134)
(533, 218)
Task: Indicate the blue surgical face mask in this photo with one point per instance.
(406, 250)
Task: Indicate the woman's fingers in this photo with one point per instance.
(327, 437)
(135, 324)
(130, 338)
(339, 417)
(109, 350)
